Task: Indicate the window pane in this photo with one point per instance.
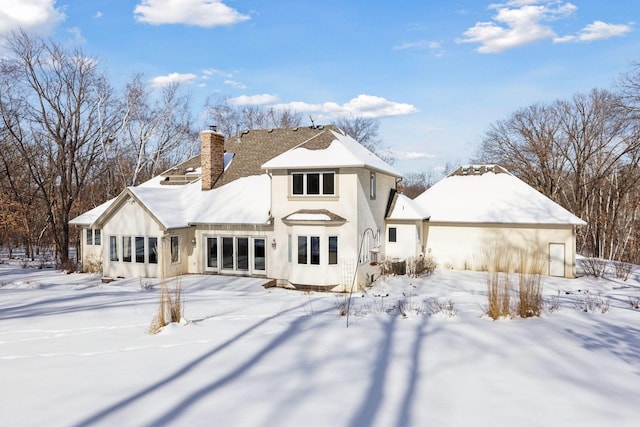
(298, 183)
(126, 249)
(97, 238)
(175, 249)
(153, 250)
(140, 249)
(372, 185)
(313, 183)
(392, 234)
(243, 253)
(89, 236)
(259, 254)
(212, 252)
(333, 249)
(302, 249)
(328, 183)
(227, 253)
(315, 250)
(113, 248)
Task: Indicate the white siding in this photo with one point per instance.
(460, 246)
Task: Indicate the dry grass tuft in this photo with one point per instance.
(500, 262)
(531, 267)
(169, 307)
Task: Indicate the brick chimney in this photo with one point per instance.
(211, 156)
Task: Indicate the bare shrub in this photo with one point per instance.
(591, 303)
(93, 264)
(443, 308)
(552, 303)
(497, 260)
(596, 267)
(498, 294)
(622, 270)
(343, 305)
(421, 266)
(529, 302)
(402, 307)
(69, 266)
(531, 266)
(308, 306)
(634, 302)
(146, 285)
(169, 307)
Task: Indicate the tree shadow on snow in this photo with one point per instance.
(174, 413)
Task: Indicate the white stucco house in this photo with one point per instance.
(310, 207)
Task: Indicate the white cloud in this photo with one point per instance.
(213, 72)
(235, 84)
(517, 23)
(38, 16)
(411, 155)
(433, 47)
(202, 13)
(76, 34)
(367, 106)
(162, 81)
(417, 45)
(98, 14)
(596, 31)
(264, 99)
(601, 30)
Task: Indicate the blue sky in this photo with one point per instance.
(435, 73)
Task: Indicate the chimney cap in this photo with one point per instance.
(213, 128)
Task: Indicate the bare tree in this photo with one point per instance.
(414, 184)
(156, 132)
(56, 109)
(366, 132)
(584, 153)
(528, 144)
(231, 119)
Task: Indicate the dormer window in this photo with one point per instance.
(313, 184)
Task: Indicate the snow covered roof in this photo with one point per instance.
(90, 216)
(490, 194)
(313, 216)
(182, 206)
(176, 200)
(404, 208)
(342, 151)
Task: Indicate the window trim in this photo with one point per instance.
(124, 256)
(332, 257)
(305, 183)
(309, 250)
(113, 249)
(176, 259)
(138, 258)
(393, 235)
(372, 185)
(149, 251)
(254, 257)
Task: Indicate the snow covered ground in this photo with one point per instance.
(76, 352)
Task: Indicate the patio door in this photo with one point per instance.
(211, 255)
(236, 254)
(556, 259)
